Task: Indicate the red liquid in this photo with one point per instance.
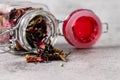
(82, 28)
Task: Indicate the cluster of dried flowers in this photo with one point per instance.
(35, 33)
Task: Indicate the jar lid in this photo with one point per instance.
(82, 28)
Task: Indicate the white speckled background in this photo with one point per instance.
(101, 62)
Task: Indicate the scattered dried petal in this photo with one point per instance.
(42, 45)
(39, 59)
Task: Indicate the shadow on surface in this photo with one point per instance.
(69, 48)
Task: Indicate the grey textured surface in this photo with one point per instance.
(101, 62)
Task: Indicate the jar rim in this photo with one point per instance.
(27, 17)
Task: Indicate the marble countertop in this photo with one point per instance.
(101, 62)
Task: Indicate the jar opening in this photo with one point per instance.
(36, 31)
(85, 29)
(37, 27)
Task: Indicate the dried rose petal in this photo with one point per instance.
(42, 45)
(31, 59)
(39, 59)
(27, 56)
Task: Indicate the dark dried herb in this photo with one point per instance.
(36, 33)
(15, 14)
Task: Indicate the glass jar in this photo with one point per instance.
(82, 28)
(19, 15)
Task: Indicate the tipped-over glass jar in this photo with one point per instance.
(25, 26)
